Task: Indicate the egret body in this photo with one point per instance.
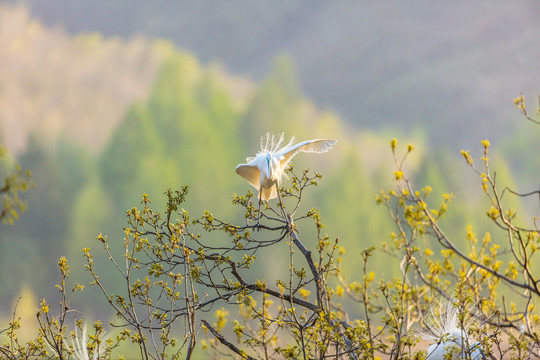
(265, 170)
(450, 341)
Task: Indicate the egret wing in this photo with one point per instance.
(250, 173)
(314, 146)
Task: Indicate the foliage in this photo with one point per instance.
(325, 297)
(175, 274)
(474, 274)
(54, 341)
(16, 181)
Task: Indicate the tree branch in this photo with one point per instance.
(224, 341)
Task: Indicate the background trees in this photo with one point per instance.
(182, 122)
(184, 277)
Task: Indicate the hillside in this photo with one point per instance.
(450, 68)
(54, 84)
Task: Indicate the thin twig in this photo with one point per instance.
(225, 342)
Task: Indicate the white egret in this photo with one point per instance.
(450, 339)
(264, 171)
(79, 346)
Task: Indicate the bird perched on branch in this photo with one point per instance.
(450, 338)
(265, 170)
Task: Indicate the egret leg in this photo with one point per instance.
(280, 203)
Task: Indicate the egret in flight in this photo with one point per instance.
(264, 171)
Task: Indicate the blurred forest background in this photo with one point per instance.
(105, 101)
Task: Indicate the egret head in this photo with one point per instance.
(265, 165)
(276, 168)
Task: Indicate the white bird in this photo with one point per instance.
(265, 170)
(80, 349)
(450, 339)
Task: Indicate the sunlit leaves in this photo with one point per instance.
(16, 181)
